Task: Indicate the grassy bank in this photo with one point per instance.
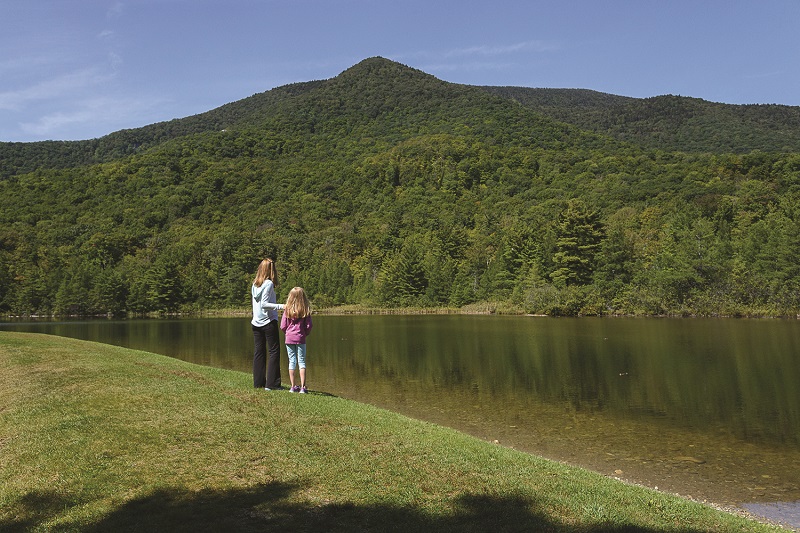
(102, 438)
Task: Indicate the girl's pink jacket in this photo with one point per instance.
(296, 329)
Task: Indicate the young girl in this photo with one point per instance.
(296, 323)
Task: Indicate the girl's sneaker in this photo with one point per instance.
(295, 389)
(304, 391)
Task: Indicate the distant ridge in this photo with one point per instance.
(670, 123)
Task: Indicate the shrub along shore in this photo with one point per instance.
(104, 438)
(477, 308)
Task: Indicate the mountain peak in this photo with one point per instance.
(380, 67)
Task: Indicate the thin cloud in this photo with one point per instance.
(473, 66)
(53, 88)
(19, 66)
(479, 58)
(54, 122)
(115, 60)
(481, 51)
(115, 10)
(102, 115)
(498, 50)
(762, 75)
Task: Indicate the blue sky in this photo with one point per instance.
(79, 69)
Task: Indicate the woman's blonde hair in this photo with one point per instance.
(297, 305)
(266, 271)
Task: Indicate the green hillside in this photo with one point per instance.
(669, 122)
(385, 186)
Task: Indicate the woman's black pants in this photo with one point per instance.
(267, 356)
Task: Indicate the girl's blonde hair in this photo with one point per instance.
(266, 271)
(297, 305)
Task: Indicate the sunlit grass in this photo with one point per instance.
(96, 437)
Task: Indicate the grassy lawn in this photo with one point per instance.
(101, 438)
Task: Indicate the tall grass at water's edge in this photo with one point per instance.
(102, 438)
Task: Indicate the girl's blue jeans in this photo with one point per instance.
(297, 355)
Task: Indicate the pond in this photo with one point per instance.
(705, 408)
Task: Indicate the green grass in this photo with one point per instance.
(102, 438)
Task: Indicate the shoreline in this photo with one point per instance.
(472, 309)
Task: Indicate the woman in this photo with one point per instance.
(266, 371)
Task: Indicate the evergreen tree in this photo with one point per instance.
(580, 234)
(402, 280)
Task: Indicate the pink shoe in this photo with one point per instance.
(295, 389)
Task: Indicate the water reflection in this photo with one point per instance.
(704, 408)
(692, 373)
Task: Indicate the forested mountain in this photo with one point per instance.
(386, 186)
(674, 123)
(17, 158)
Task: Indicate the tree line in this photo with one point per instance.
(434, 221)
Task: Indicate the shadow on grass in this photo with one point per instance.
(267, 508)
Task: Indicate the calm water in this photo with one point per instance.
(705, 408)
